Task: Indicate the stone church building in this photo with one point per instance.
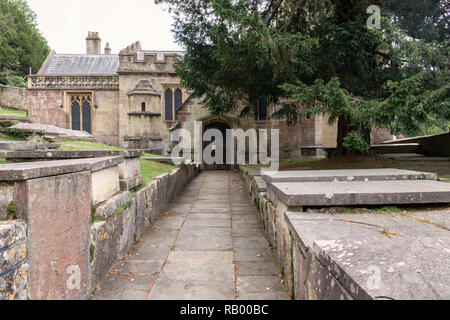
(134, 99)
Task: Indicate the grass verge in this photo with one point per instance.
(152, 169)
(13, 113)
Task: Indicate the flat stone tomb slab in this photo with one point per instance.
(347, 175)
(412, 262)
(362, 193)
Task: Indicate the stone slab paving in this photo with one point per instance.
(209, 245)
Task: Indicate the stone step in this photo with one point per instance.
(347, 175)
(323, 194)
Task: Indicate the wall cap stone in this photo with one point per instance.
(34, 170)
(63, 155)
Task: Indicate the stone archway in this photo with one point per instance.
(222, 126)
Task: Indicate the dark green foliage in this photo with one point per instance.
(21, 44)
(7, 124)
(322, 56)
(91, 253)
(17, 133)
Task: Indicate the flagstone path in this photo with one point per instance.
(208, 246)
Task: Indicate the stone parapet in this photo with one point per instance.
(37, 82)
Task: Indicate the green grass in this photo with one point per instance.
(2, 160)
(394, 211)
(152, 169)
(149, 155)
(302, 160)
(149, 169)
(6, 138)
(13, 113)
(88, 145)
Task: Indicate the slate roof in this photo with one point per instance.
(81, 64)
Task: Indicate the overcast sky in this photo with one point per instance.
(65, 24)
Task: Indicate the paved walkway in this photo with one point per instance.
(209, 245)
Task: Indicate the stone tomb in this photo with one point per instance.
(346, 175)
(328, 256)
(357, 187)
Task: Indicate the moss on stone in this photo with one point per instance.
(92, 253)
(11, 211)
(123, 208)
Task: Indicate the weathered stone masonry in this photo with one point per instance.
(74, 220)
(356, 256)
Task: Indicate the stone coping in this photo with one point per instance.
(12, 118)
(346, 175)
(57, 154)
(412, 264)
(33, 170)
(361, 193)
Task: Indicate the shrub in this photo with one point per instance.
(7, 124)
(17, 133)
(355, 142)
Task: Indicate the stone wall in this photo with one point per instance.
(13, 97)
(13, 260)
(47, 107)
(73, 220)
(121, 221)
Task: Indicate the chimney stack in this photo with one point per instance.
(107, 49)
(93, 43)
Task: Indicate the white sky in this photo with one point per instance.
(65, 24)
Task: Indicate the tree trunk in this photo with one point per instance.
(343, 130)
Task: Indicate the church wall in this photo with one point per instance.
(106, 117)
(47, 107)
(131, 126)
(290, 136)
(329, 133)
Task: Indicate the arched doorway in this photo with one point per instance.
(222, 127)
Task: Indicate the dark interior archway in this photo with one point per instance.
(222, 127)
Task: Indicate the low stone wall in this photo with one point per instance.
(69, 221)
(360, 256)
(13, 97)
(121, 221)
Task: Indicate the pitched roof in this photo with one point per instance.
(81, 64)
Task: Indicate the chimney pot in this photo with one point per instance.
(93, 43)
(107, 49)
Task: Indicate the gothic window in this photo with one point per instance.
(178, 101)
(81, 112)
(143, 107)
(86, 105)
(169, 104)
(76, 116)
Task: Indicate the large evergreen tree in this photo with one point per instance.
(322, 55)
(21, 44)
